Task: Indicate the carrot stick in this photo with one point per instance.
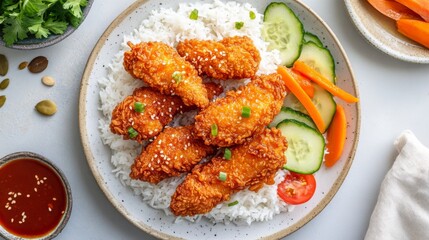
(394, 10)
(420, 7)
(304, 82)
(415, 30)
(299, 93)
(336, 137)
(315, 76)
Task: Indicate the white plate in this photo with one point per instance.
(156, 222)
(381, 32)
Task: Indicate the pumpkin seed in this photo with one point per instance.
(22, 65)
(2, 100)
(48, 81)
(38, 64)
(4, 84)
(4, 65)
(46, 107)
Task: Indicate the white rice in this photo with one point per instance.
(216, 21)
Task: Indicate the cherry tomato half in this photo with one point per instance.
(297, 188)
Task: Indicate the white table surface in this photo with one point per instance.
(394, 96)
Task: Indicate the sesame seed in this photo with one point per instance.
(11, 220)
(28, 195)
(54, 199)
(35, 189)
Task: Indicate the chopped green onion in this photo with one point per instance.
(139, 107)
(177, 76)
(227, 154)
(232, 203)
(194, 14)
(239, 25)
(245, 112)
(252, 15)
(222, 176)
(132, 133)
(214, 129)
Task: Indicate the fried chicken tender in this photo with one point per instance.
(159, 110)
(161, 67)
(230, 58)
(172, 153)
(252, 165)
(264, 97)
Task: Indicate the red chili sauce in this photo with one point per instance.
(32, 198)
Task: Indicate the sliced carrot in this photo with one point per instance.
(322, 81)
(394, 10)
(299, 93)
(336, 137)
(421, 7)
(304, 82)
(415, 30)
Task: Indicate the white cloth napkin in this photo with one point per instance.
(402, 209)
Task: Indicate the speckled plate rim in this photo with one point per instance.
(407, 50)
(37, 157)
(91, 158)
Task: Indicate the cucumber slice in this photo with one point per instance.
(320, 59)
(325, 103)
(323, 100)
(306, 147)
(289, 113)
(283, 31)
(310, 37)
(292, 102)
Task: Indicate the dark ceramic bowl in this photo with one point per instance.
(36, 43)
(68, 195)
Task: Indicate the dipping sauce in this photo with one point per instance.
(32, 198)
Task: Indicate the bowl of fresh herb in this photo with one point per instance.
(33, 24)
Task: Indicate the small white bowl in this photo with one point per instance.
(380, 31)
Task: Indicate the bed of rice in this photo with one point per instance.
(216, 21)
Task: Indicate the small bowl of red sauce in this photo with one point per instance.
(35, 197)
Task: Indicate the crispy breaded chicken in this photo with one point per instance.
(173, 152)
(252, 165)
(159, 110)
(230, 58)
(263, 97)
(161, 67)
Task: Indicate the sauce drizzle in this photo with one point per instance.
(32, 198)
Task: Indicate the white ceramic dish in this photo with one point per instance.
(155, 222)
(381, 32)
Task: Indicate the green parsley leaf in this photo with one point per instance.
(39, 31)
(13, 30)
(21, 19)
(57, 27)
(74, 7)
